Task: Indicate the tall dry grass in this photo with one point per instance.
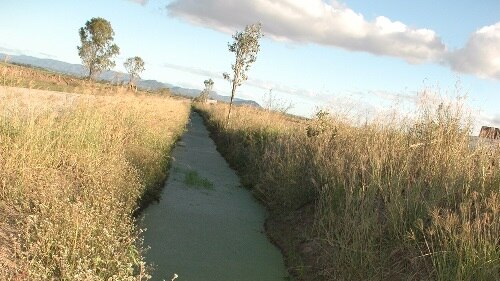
(73, 170)
(399, 199)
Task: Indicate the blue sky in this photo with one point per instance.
(366, 55)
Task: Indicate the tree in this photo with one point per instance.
(97, 49)
(134, 66)
(245, 46)
(203, 97)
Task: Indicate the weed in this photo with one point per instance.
(192, 178)
(73, 170)
(400, 199)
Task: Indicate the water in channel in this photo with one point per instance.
(206, 227)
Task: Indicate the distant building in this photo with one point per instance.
(490, 133)
(211, 101)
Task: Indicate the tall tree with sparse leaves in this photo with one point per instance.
(97, 49)
(203, 97)
(134, 67)
(209, 85)
(245, 46)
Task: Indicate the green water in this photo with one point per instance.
(206, 227)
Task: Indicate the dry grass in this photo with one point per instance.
(401, 199)
(73, 170)
(39, 79)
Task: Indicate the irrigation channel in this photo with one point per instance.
(207, 227)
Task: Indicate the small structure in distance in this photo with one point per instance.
(489, 133)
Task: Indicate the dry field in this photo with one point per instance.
(39, 79)
(73, 170)
(401, 199)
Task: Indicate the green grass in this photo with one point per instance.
(192, 178)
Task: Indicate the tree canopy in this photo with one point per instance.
(97, 47)
(245, 47)
(204, 95)
(134, 67)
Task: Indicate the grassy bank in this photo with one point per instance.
(399, 199)
(73, 170)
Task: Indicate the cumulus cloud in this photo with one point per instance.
(481, 54)
(314, 21)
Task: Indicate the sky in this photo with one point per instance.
(365, 56)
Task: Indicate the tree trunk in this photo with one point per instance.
(231, 102)
(90, 74)
(131, 79)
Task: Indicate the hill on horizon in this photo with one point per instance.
(113, 76)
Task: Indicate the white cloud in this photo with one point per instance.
(333, 24)
(25, 52)
(314, 21)
(481, 54)
(485, 119)
(387, 95)
(142, 2)
(194, 70)
(269, 85)
(261, 84)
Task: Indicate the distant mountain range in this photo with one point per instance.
(114, 76)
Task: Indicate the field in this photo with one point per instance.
(399, 199)
(40, 79)
(74, 169)
(391, 199)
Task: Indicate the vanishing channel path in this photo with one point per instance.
(206, 227)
